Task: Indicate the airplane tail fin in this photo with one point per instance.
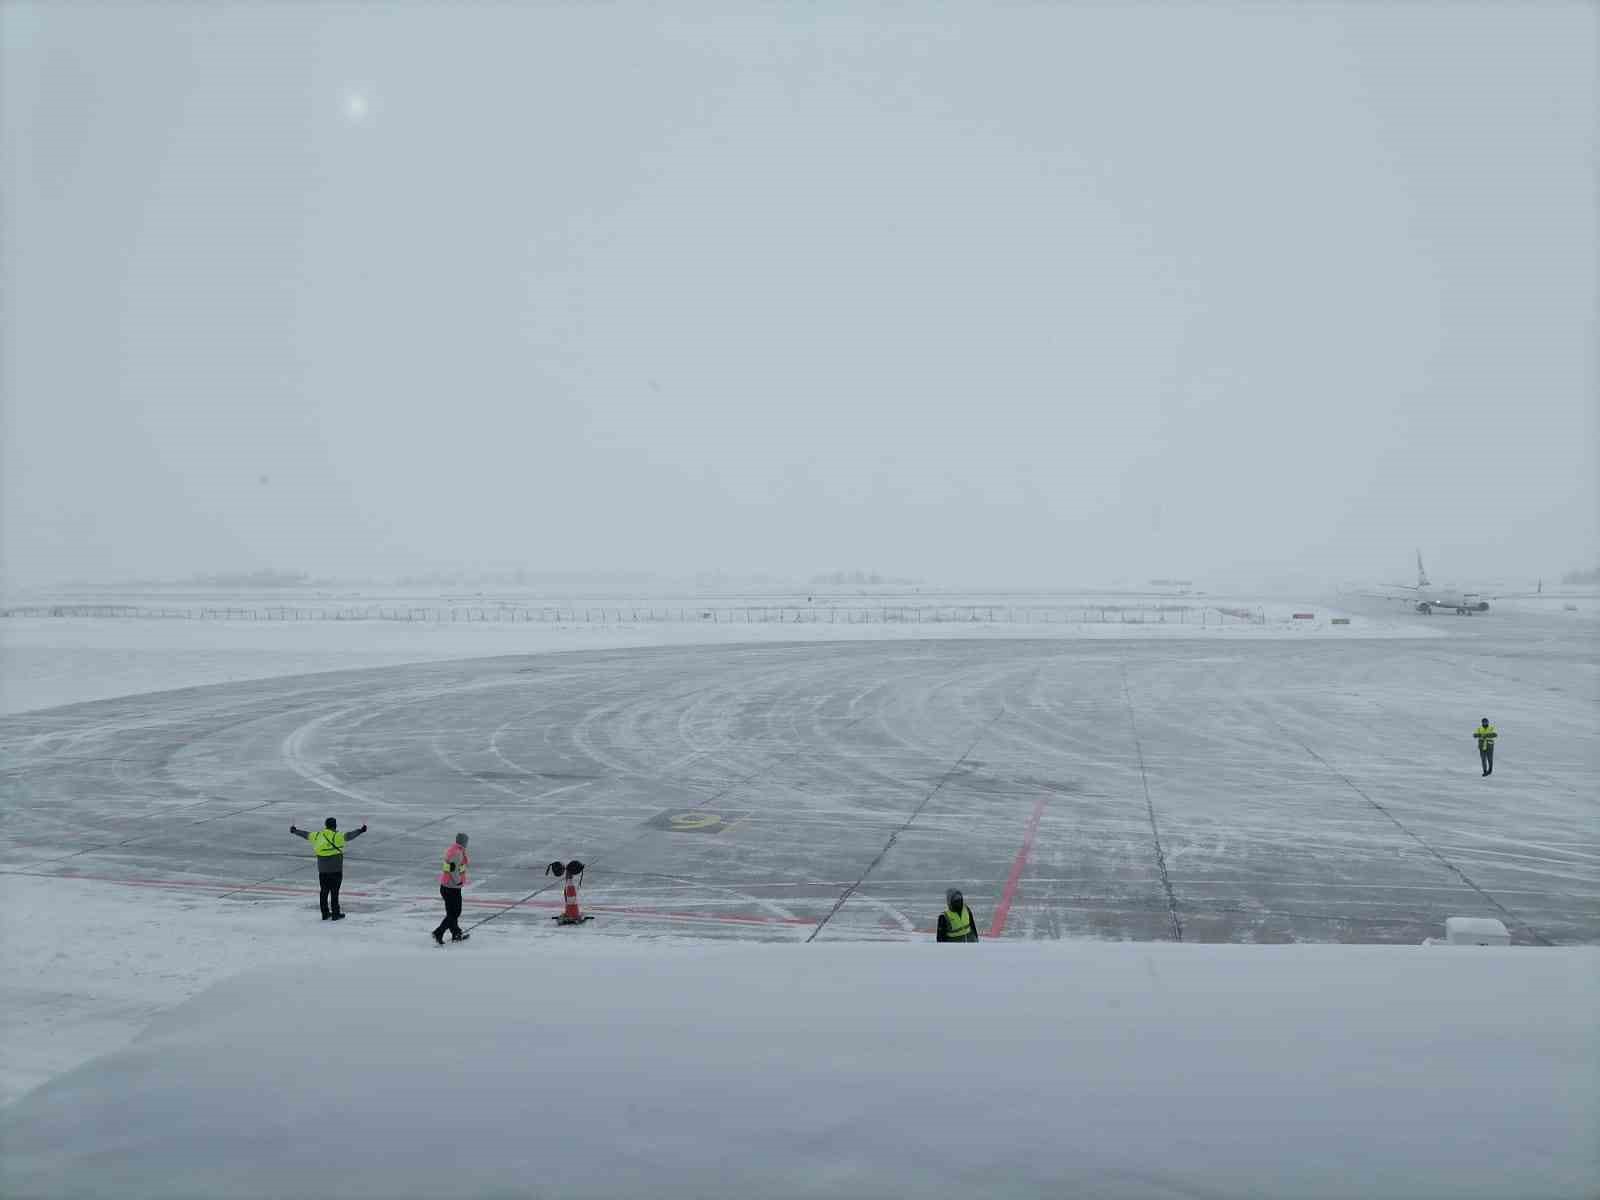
(1422, 575)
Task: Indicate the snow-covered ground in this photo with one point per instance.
(103, 959)
(566, 1067)
(91, 963)
(1572, 603)
(1091, 782)
(49, 661)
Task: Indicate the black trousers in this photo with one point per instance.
(328, 890)
(452, 912)
(1486, 756)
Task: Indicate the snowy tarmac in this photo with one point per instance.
(1200, 790)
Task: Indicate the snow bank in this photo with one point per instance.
(50, 661)
(102, 960)
(582, 1068)
(1570, 605)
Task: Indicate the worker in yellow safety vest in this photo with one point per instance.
(1486, 735)
(328, 845)
(956, 922)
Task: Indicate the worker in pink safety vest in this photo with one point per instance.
(451, 880)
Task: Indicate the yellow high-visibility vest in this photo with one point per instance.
(327, 842)
(959, 925)
(1485, 735)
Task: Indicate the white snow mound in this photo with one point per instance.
(604, 1069)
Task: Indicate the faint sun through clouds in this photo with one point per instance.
(357, 106)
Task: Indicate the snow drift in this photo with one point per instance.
(600, 1069)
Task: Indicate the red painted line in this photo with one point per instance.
(1003, 909)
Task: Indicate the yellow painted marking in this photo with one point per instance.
(695, 820)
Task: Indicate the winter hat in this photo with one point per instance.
(330, 823)
(953, 899)
(461, 839)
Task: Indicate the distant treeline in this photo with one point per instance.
(1592, 575)
(524, 577)
(861, 578)
(254, 579)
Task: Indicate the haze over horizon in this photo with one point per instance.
(1027, 294)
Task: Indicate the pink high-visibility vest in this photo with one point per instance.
(455, 856)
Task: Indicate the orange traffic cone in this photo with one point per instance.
(571, 914)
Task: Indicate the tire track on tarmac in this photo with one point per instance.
(917, 812)
(1150, 808)
(235, 722)
(616, 847)
(292, 748)
(1538, 938)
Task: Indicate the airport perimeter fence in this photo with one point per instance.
(613, 614)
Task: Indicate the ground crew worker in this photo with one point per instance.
(328, 843)
(956, 923)
(1486, 735)
(451, 880)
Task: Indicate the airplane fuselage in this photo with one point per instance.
(1463, 603)
(1428, 599)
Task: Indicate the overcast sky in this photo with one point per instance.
(1044, 293)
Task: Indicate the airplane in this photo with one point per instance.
(1428, 599)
